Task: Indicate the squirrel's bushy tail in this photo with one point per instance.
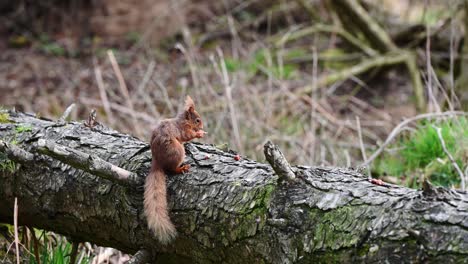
(156, 206)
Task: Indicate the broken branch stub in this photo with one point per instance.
(278, 162)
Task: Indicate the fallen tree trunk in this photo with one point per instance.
(225, 210)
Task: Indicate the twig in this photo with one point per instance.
(119, 108)
(15, 222)
(365, 105)
(25, 238)
(354, 17)
(166, 98)
(90, 163)
(429, 85)
(66, 113)
(36, 245)
(373, 62)
(324, 112)
(313, 111)
(8, 251)
(312, 13)
(142, 256)
(232, 110)
(9, 248)
(400, 126)
(413, 35)
(74, 252)
(82, 254)
(451, 70)
(124, 89)
(146, 78)
(361, 143)
(141, 89)
(447, 102)
(103, 94)
(348, 158)
(411, 64)
(361, 19)
(99, 255)
(466, 171)
(428, 188)
(271, 13)
(91, 121)
(358, 44)
(452, 160)
(190, 60)
(235, 42)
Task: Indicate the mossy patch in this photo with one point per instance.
(4, 118)
(23, 128)
(253, 216)
(7, 164)
(332, 229)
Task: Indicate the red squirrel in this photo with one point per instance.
(168, 153)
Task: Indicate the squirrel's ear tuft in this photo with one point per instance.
(189, 105)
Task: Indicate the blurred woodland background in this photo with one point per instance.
(327, 81)
(296, 72)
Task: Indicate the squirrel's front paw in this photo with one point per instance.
(200, 133)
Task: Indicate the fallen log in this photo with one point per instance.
(225, 209)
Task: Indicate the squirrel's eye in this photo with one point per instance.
(198, 120)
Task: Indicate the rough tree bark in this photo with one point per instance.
(225, 210)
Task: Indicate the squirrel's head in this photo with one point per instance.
(190, 116)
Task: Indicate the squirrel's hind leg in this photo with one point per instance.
(173, 158)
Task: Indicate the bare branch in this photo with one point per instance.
(103, 94)
(366, 65)
(361, 143)
(373, 32)
(15, 224)
(141, 257)
(123, 89)
(452, 160)
(89, 163)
